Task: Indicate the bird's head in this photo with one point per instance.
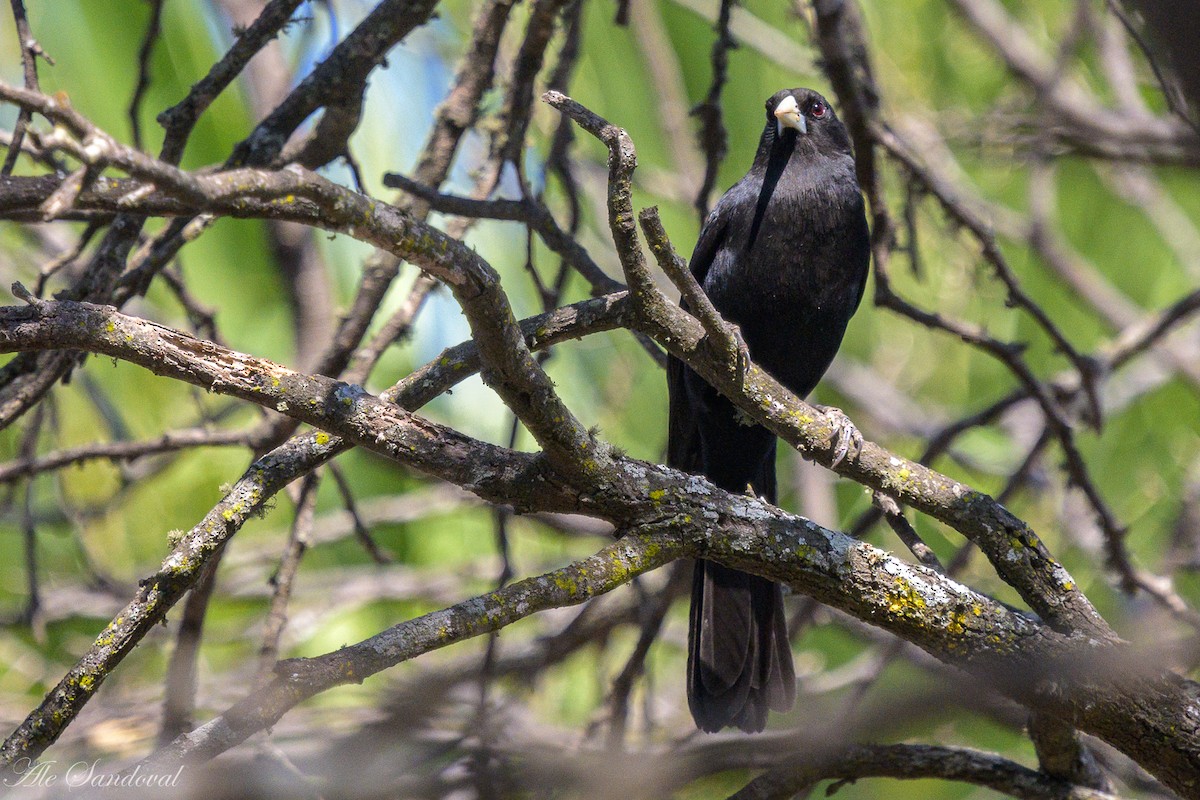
(803, 115)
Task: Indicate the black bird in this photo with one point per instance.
(784, 256)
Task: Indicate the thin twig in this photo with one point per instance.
(30, 50)
(284, 578)
(713, 139)
(149, 40)
(361, 532)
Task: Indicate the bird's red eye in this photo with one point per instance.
(817, 109)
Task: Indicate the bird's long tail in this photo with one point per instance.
(739, 658)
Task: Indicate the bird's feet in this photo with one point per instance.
(742, 364)
(846, 437)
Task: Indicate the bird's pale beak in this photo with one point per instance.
(789, 116)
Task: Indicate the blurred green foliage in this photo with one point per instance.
(92, 522)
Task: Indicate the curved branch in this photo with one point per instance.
(157, 594)
(298, 195)
(298, 679)
(1015, 551)
(913, 762)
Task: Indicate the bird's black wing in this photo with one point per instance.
(683, 437)
(739, 660)
(714, 233)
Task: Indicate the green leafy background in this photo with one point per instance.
(930, 67)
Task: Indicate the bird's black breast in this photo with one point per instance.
(790, 271)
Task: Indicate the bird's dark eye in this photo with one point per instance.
(817, 109)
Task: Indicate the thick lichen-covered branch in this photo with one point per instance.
(691, 517)
(250, 496)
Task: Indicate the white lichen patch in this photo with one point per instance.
(635, 469)
(1063, 578)
(940, 592)
(839, 546)
(753, 510)
(347, 393)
